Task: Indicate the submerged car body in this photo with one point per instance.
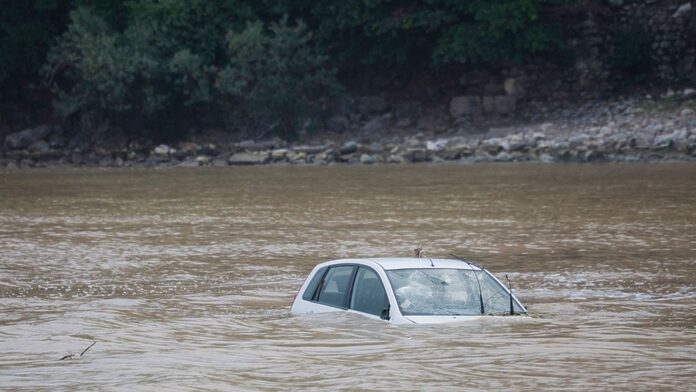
(405, 290)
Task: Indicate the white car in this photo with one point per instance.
(405, 290)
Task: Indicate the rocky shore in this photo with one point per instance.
(623, 129)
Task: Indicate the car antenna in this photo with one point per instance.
(420, 254)
(483, 310)
(512, 309)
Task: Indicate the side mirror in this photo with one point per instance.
(385, 313)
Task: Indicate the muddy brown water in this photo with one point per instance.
(184, 277)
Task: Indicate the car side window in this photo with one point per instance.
(368, 293)
(333, 288)
(311, 289)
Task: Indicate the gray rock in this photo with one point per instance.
(465, 105)
(494, 145)
(348, 148)
(393, 158)
(203, 160)
(40, 147)
(27, 137)
(592, 156)
(249, 158)
(513, 86)
(309, 149)
(297, 156)
(189, 163)
(367, 159)
(577, 140)
(454, 152)
(503, 157)
(279, 154)
(416, 155)
(218, 162)
(162, 149)
(546, 158)
(106, 161)
(375, 148)
(687, 112)
(682, 10)
(375, 125)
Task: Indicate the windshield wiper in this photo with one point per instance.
(483, 309)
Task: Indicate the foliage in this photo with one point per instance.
(167, 63)
(392, 32)
(275, 76)
(27, 29)
(147, 74)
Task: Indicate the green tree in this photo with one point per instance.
(274, 77)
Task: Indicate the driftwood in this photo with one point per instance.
(81, 354)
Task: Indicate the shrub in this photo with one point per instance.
(274, 77)
(145, 77)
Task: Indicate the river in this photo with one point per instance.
(184, 278)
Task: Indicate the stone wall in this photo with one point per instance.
(588, 66)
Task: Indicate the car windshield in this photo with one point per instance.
(437, 292)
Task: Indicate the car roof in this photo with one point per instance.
(395, 263)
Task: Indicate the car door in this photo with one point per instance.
(328, 291)
(368, 295)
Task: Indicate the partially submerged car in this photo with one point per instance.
(406, 290)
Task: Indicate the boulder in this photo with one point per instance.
(578, 140)
(162, 149)
(218, 162)
(348, 148)
(297, 156)
(367, 159)
(464, 105)
(375, 148)
(203, 160)
(40, 147)
(188, 163)
(513, 86)
(494, 145)
(455, 152)
(416, 155)
(376, 124)
(279, 154)
(435, 145)
(27, 137)
(682, 10)
(249, 158)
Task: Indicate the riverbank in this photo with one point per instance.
(620, 129)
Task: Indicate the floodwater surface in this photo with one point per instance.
(184, 278)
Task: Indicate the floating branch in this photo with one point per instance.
(81, 354)
(85, 350)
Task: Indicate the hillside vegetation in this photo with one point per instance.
(169, 65)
